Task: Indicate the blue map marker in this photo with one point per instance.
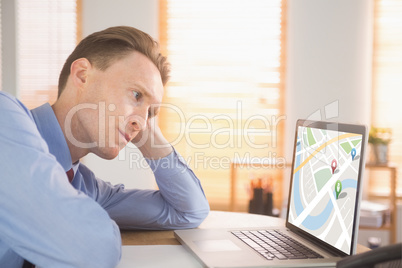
(353, 153)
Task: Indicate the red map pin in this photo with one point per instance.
(334, 164)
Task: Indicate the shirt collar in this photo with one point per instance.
(50, 130)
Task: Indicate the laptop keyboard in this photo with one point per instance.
(273, 244)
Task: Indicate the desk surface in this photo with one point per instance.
(215, 220)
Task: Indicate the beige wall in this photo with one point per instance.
(329, 59)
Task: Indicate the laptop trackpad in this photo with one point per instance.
(216, 245)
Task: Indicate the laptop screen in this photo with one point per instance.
(325, 182)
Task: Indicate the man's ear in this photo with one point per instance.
(79, 72)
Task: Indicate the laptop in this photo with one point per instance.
(323, 207)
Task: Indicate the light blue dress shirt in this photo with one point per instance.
(52, 223)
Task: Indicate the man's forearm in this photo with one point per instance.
(178, 203)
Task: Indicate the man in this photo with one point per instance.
(110, 89)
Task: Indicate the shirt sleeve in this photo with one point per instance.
(42, 217)
(179, 203)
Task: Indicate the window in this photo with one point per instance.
(387, 79)
(224, 100)
(46, 36)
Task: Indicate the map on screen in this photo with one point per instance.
(323, 193)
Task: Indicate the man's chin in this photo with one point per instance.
(108, 153)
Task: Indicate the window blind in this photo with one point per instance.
(224, 101)
(387, 79)
(46, 36)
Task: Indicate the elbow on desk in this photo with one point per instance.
(194, 220)
(202, 216)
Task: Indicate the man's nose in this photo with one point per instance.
(139, 120)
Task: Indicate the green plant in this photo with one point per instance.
(380, 135)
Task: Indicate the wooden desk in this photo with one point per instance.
(215, 220)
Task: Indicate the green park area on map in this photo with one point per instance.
(322, 177)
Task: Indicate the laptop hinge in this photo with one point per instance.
(327, 248)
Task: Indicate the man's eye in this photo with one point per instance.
(136, 94)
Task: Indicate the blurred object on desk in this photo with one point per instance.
(373, 214)
(261, 197)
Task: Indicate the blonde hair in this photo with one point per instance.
(105, 47)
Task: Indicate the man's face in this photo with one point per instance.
(125, 96)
